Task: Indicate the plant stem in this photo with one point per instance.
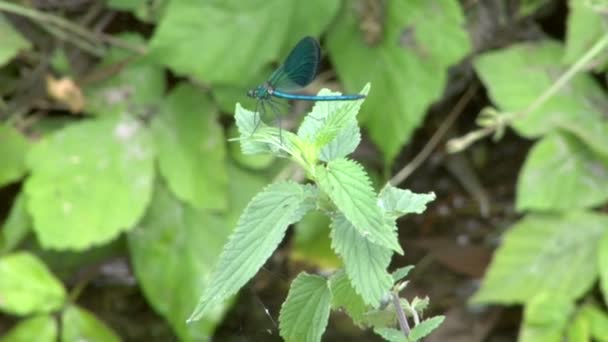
(405, 327)
(68, 26)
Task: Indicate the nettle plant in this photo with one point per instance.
(363, 230)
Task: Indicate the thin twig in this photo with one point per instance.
(405, 327)
(408, 169)
(68, 26)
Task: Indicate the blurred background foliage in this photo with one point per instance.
(119, 188)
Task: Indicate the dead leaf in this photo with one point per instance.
(65, 91)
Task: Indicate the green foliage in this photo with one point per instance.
(27, 286)
(545, 317)
(80, 194)
(586, 24)
(409, 71)
(11, 41)
(535, 253)
(80, 325)
(13, 147)
(41, 328)
(191, 149)
(305, 312)
(16, 227)
(425, 327)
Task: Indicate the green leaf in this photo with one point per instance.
(259, 231)
(586, 25)
(408, 68)
(579, 330)
(517, 76)
(312, 244)
(82, 194)
(137, 87)
(271, 25)
(11, 42)
(398, 202)
(344, 296)
(390, 334)
(13, 148)
(597, 320)
(401, 273)
(255, 162)
(535, 253)
(365, 263)
(603, 265)
(561, 173)
(173, 250)
(80, 325)
(16, 227)
(39, 328)
(27, 286)
(545, 318)
(191, 149)
(305, 312)
(425, 327)
(332, 126)
(348, 186)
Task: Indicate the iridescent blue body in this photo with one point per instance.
(298, 71)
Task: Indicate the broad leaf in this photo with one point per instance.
(535, 253)
(89, 182)
(13, 148)
(191, 149)
(560, 174)
(16, 226)
(271, 26)
(517, 76)
(11, 41)
(27, 286)
(408, 68)
(349, 188)
(173, 250)
(545, 318)
(39, 328)
(305, 312)
(259, 231)
(425, 327)
(398, 202)
(365, 263)
(586, 25)
(137, 84)
(80, 325)
(344, 296)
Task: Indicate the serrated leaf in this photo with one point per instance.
(39, 328)
(401, 273)
(365, 263)
(82, 194)
(560, 173)
(13, 148)
(16, 226)
(586, 25)
(173, 250)
(191, 149)
(398, 202)
(305, 312)
(545, 318)
(349, 188)
(390, 334)
(344, 296)
(11, 41)
(137, 87)
(425, 327)
(332, 126)
(80, 325)
(272, 26)
(420, 40)
(260, 229)
(27, 286)
(517, 76)
(535, 253)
